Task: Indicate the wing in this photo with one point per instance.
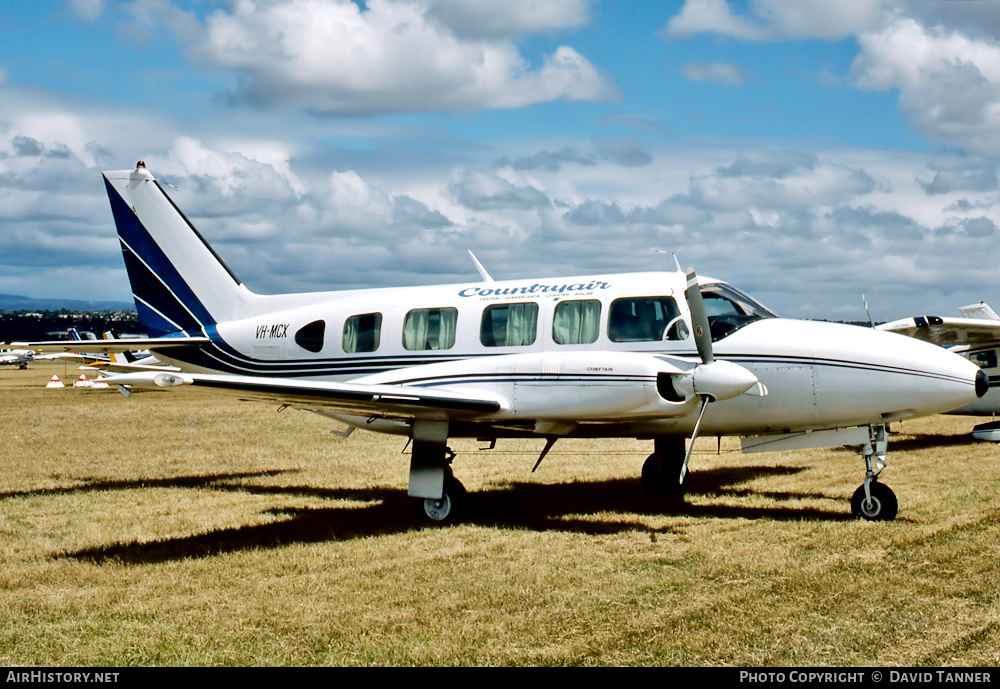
(109, 346)
(948, 332)
(125, 367)
(384, 401)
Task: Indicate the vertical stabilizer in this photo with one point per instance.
(178, 282)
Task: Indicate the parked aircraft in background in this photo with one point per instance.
(17, 357)
(976, 336)
(21, 357)
(128, 360)
(663, 356)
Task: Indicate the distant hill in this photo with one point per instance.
(13, 302)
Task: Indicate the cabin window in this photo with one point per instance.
(576, 321)
(509, 325)
(430, 328)
(361, 333)
(645, 319)
(310, 336)
(984, 359)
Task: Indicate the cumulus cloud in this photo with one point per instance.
(807, 231)
(775, 19)
(719, 73)
(712, 16)
(961, 173)
(334, 57)
(87, 9)
(948, 82)
(549, 160)
(482, 191)
(777, 180)
(822, 18)
(942, 58)
(509, 18)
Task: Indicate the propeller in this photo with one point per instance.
(699, 318)
(711, 380)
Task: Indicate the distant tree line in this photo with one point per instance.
(54, 325)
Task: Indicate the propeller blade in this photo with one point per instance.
(699, 318)
(687, 455)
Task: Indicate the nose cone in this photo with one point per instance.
(861, 375)
(918, 378)
(941, 380)
(982, 383)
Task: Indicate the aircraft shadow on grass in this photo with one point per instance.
(578, 507)
(933, 442)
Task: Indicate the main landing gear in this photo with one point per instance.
(872, 500)
(440, 497)
(661, 472)
(448, 508)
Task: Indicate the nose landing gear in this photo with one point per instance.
(872, 500)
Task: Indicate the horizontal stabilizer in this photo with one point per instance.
(111, 346)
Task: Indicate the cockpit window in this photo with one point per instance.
(729, 309)
(645, 319)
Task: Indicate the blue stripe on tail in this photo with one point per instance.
(165, 302)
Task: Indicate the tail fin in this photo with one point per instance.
(125, 357)
(178, 282)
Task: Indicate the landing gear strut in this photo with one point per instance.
(873, 500)
(439, 495)
(661, 472)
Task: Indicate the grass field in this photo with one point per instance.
(177, 529)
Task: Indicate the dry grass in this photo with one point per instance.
(174, 529)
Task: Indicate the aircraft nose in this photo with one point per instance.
(982, 383)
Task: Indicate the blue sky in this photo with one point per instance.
(808, 151)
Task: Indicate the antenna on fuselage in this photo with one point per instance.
(865, 302)
(677, 263)
(479, 266)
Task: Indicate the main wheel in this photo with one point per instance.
(447, 508)
(883, 505)
(660, 475)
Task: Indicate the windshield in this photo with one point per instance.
(729, 309)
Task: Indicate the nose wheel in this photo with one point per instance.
(879, 505)
(872, 500)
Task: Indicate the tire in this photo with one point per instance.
(659, 476)
(446, 510)
(883, 507)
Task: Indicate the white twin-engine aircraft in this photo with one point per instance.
(661, 356)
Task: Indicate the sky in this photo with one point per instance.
(813, 153)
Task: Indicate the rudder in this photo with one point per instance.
(178, 281)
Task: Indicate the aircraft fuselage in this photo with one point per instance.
(577, 356)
